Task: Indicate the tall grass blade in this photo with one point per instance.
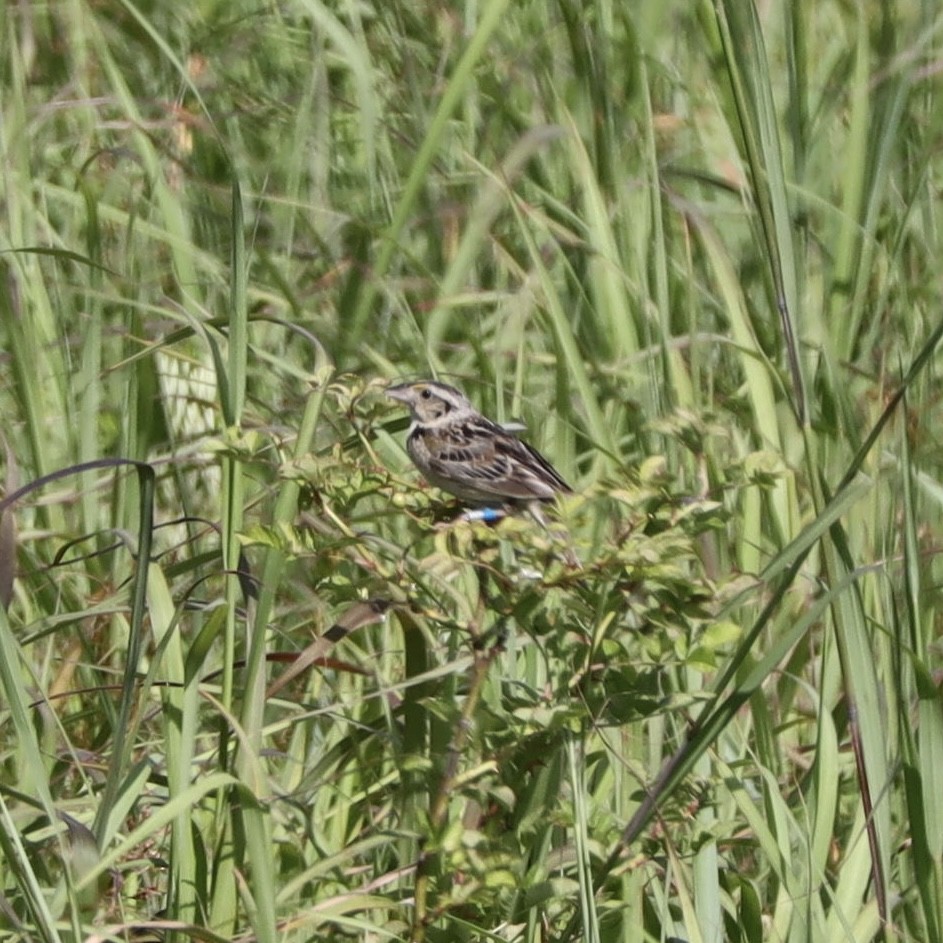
(456, 87)
(747, 65)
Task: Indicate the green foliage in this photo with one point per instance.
(260, 682)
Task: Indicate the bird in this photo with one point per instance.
(466, 454)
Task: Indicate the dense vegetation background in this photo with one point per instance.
(258, 683)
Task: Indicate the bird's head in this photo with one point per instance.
(430, 401)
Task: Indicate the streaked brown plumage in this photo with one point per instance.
(461, 451)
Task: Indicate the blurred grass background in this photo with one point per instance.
(694, 248)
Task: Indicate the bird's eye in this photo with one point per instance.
(426, 393)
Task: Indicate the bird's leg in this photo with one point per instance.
(488, 515)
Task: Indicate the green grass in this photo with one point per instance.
(255, 686)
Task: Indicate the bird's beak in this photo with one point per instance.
(399, 393)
